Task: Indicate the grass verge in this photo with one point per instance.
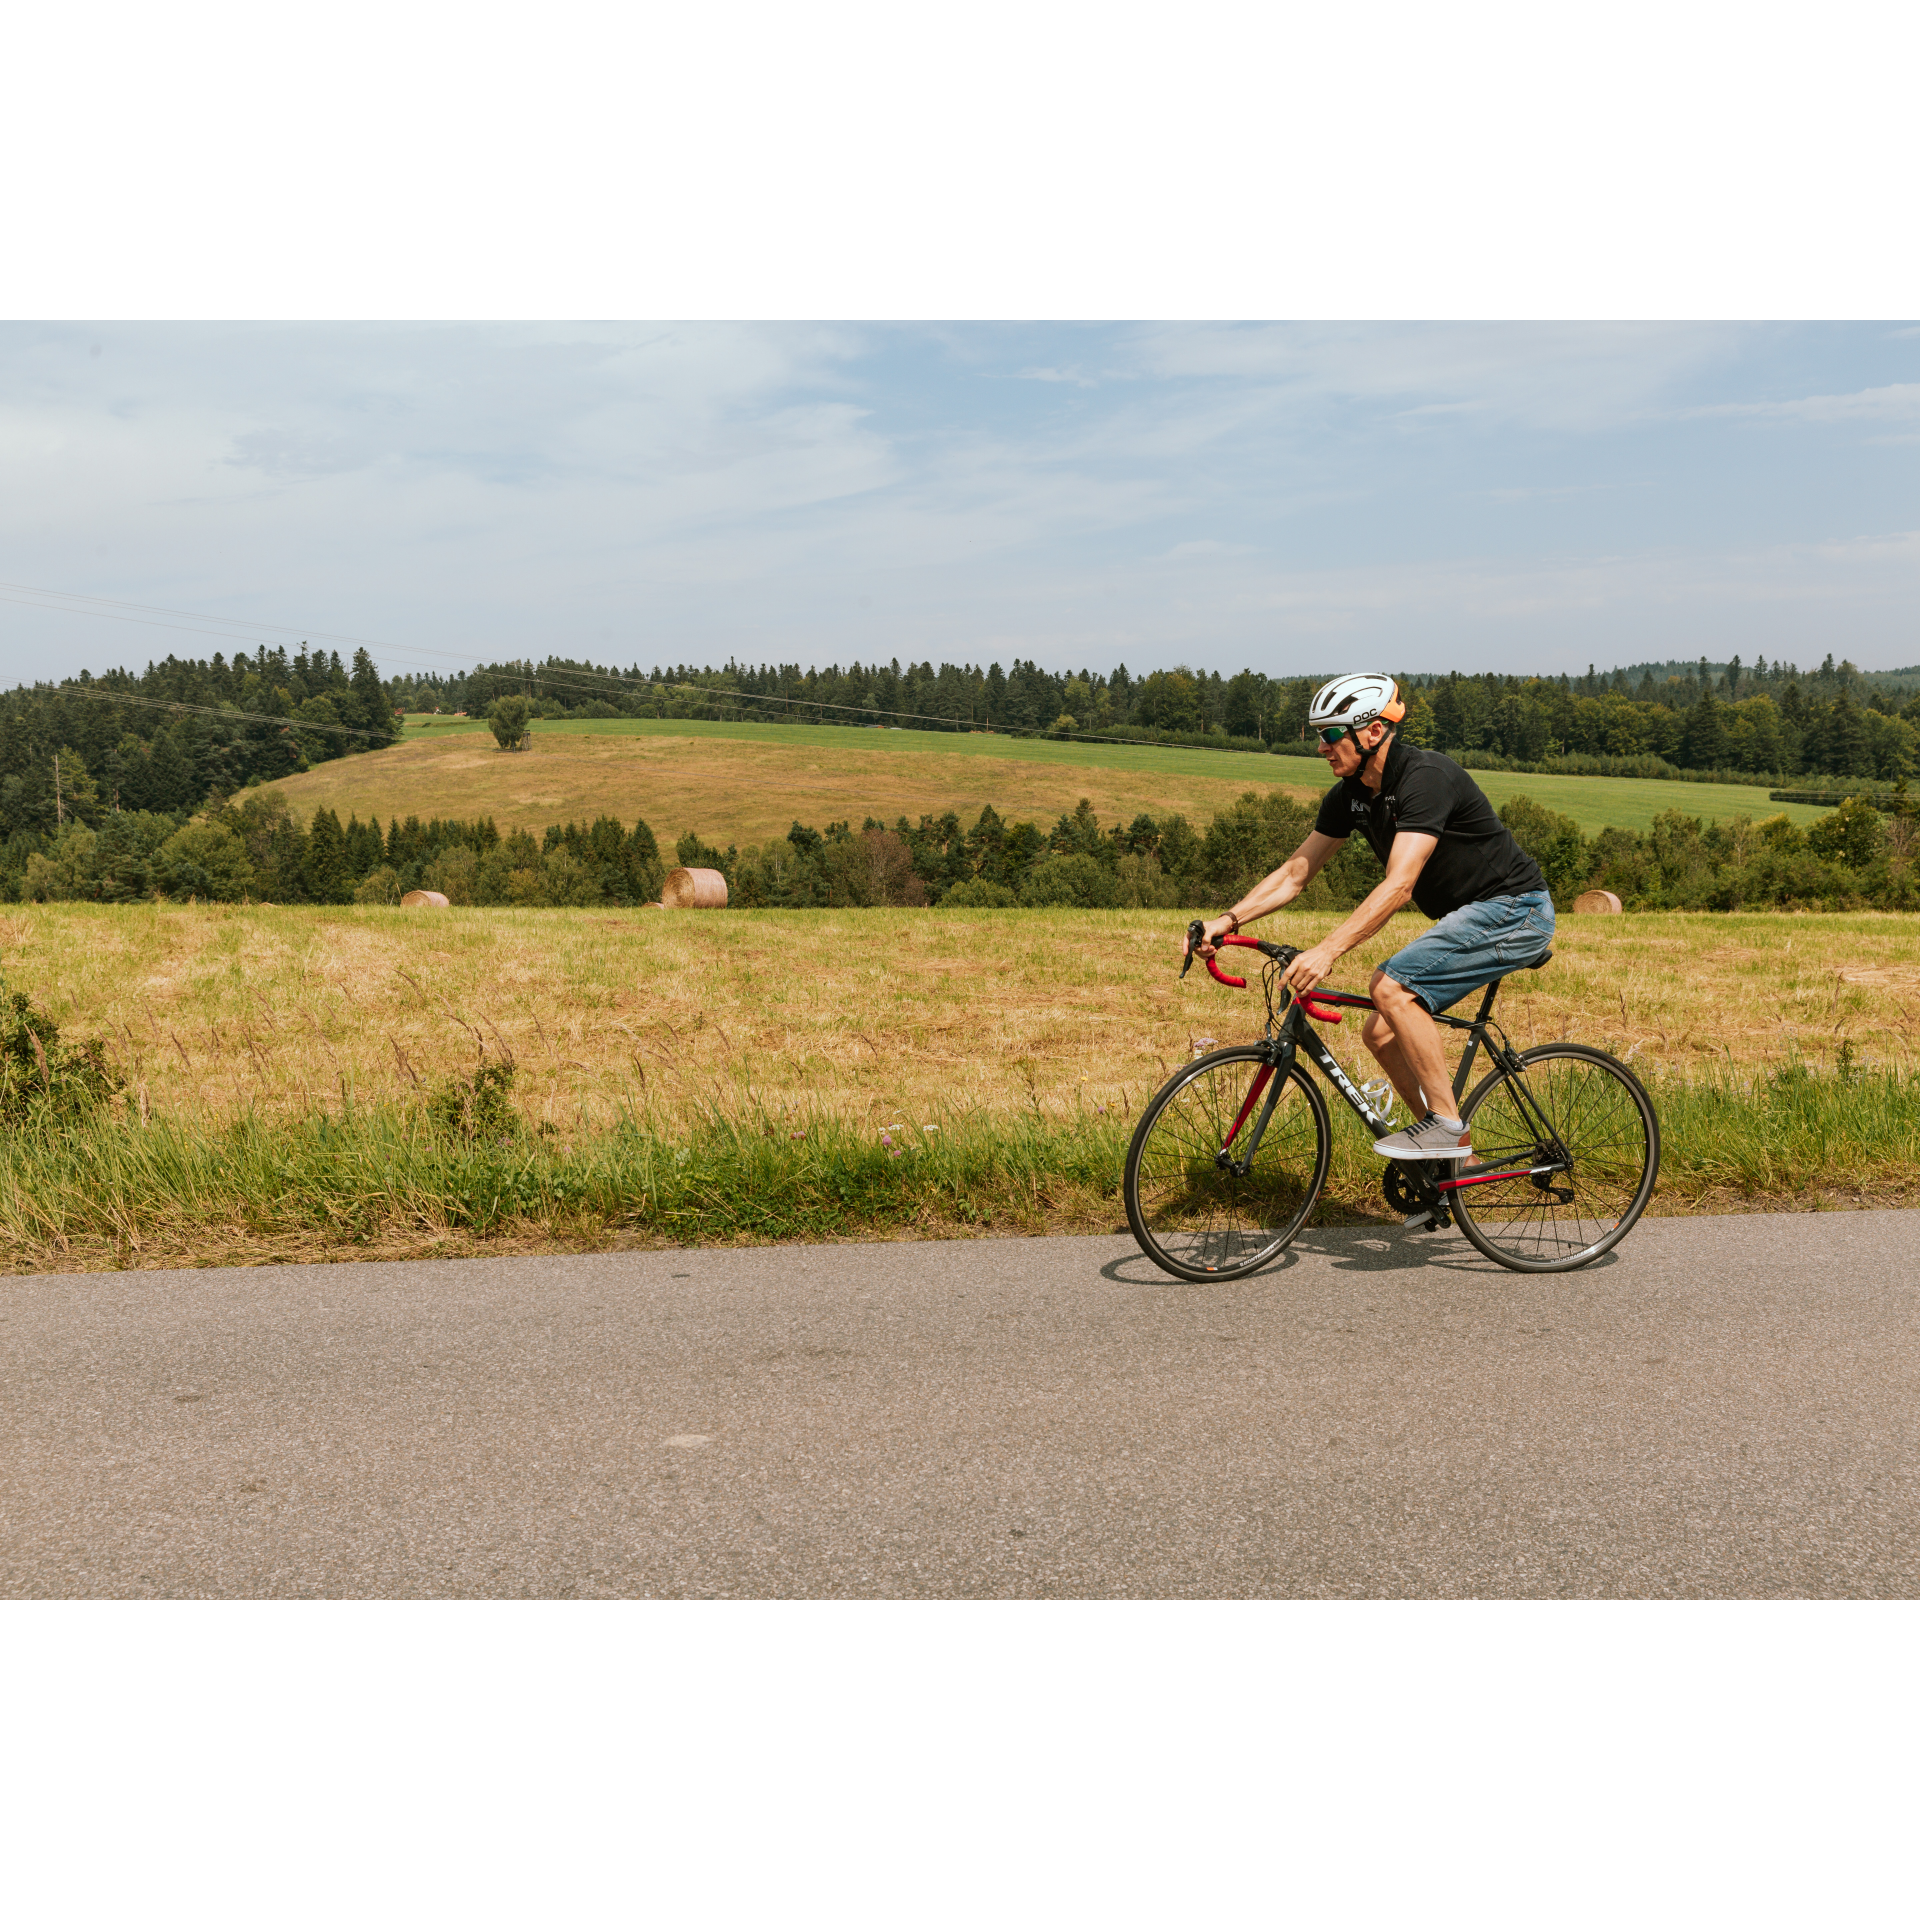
(384, 1183)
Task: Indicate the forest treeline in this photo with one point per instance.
(252, 848)
(164, 740)
(1767, 720)
(101, 777)
(186, 732)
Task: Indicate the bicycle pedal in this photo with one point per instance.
(1432, 1219)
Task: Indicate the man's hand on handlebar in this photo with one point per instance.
(1210, 931)
(1308, 969)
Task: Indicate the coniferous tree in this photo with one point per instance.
(328, 874)
(1703, 741)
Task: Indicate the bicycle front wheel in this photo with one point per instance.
(1198, 1203)
(1563, 1216)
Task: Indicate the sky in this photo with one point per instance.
(1295, 498)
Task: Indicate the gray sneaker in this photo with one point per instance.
(1427, 1139)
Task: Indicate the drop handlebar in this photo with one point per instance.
(1320, 1004)
(1197, 934)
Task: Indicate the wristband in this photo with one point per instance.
(1235, 918)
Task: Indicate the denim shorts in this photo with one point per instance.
(1473, 945)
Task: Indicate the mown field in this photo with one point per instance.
(752, 1075)
(738, 782)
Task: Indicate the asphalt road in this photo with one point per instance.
(1727, 1407)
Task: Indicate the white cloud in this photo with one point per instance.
(1899, 403)
(1561, 377)
(1223, 493)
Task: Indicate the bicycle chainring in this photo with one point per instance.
(1408, 1188)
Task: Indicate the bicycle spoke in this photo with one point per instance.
(1596, 1110)
(1199, 1218)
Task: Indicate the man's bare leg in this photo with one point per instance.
(1404, 1037)
(1386, 1049)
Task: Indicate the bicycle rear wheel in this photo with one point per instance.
(1203, 1220)
(1556, 1220)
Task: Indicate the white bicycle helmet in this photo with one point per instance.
(1356, 700)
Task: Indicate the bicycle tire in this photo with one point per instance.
(1197, 1220)
(1606, 1121)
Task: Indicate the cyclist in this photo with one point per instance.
(1446, 850)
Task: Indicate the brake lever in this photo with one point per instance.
(1196, 932)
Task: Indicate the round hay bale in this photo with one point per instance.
(694, 887)
(421, 897)
(1598, 901)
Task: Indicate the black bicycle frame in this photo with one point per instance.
(1295, 1037)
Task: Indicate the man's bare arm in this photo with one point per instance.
(1411, 852)
(1286, 882)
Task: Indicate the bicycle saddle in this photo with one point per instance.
(1534, 966)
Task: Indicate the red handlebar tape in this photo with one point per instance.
(1330, 1012)
(1230, 940)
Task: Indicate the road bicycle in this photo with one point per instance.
(1232, 1153)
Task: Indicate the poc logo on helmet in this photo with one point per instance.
(1356, 700)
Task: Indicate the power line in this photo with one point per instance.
(893, 713)
(214, 625)
(219, 713)
(219, 626)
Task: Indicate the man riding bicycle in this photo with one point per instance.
(1446, 850)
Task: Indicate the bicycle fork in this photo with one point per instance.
(1267, 1077)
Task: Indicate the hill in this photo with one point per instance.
(743, 782)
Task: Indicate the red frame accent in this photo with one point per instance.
(1480, 1179)
(1254, 1092)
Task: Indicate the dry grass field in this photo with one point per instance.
(741, 783)
(741, 790)
(742, 1076)
(215, 1012)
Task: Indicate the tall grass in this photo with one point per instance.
(215, 1013)
(384, 1182)
(1796, 1131)
(764, 1075)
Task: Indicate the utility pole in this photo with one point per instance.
(59, 806)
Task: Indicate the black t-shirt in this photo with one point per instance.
(1476, 858)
